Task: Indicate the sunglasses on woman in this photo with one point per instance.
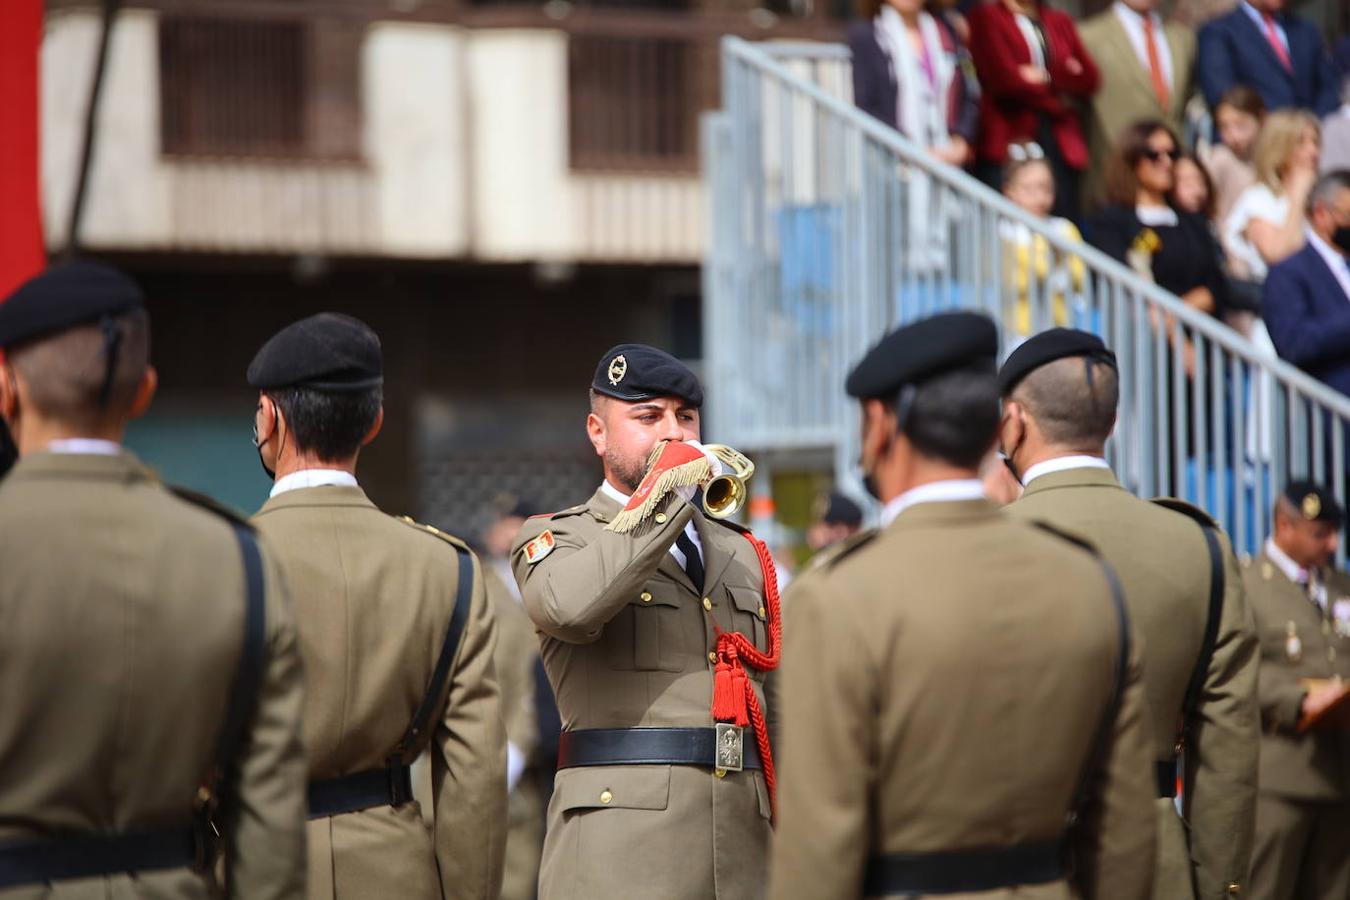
(1157, 155)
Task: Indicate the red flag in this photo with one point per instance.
(22, 254)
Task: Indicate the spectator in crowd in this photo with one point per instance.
(1146, 68)
(1033, 266)
(1336, 133)
(1175, 249)
(1033, 71)
(1141, 228)
(836, 518)
(1279, 55)
(910, 72)
(1193, 190)
(1307, 296)
(1238, 119)
(1266, 224)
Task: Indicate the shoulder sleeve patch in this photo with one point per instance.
(540, 547)
(1186, 509)
(431, 529)
(210, 504)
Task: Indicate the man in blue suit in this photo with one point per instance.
(1306, 302)
(1278, 55)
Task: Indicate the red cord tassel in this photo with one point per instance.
(724, 692)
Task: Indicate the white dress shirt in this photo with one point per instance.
(951, 491)
(1337, 263)
(308, 478)
(1260, 22)
(622, 499)
(88, 446)
(1063, 464)
(1133, 23)
(1296, 573)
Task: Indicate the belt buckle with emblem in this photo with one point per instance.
(729, 753)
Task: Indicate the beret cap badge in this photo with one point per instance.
(618, 367)
(1312, 506)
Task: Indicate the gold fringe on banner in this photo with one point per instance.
(672, 464)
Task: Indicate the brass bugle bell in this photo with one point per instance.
(724, 496)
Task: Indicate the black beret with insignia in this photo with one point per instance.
(327, 352)
(64, 296)
(634, 372)
(837, 509)
(1045, 348)
(1314, 502)
(928, 347)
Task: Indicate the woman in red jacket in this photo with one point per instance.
(1034, 72)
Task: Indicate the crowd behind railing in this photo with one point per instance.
(1191, 156)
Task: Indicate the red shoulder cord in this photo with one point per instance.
(734, 698)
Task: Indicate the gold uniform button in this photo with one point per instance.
(660, 518)
(707, 604)
(762, 613)
(1234, 888)
(712, 656)
(645, 596)
(606, 797)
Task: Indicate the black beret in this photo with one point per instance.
(1046, 347)
(837, 509)
(64, 296)
(326, 352)
(920, 350)
(1313, 502)
(635, 372)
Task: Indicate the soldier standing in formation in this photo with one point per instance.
(1302, 610)
(150, 689)
(396, 635)
(650, 610)
(1185, 597)
(942, 720)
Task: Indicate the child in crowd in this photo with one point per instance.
(1043, 278)
(1194, 191)
(1238, 118)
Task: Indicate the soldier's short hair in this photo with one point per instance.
(65, 371)
(1070, 407)
(953, 416)
(328, 424)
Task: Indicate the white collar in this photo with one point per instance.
(1336, 262)
(88, 446)
(1064, 464)
(614, 493)
(1292, 570)
(951, 491)
(308, 478)
(1124, 12)
(1157, 216)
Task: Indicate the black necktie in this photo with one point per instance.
(693, 563)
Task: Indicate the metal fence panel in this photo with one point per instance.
(829, 229)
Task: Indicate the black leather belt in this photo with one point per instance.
(1166, 773)
(387, 786)
(959, 871)
(647, 746)
(92, 855)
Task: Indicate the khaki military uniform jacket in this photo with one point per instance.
(626, 642)
(121, 624)
(1163, 564)
(943, 684)
(1316, 765)
(373, 596)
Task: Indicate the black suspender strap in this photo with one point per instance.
(1217, 587)
(391, 785)
(247, 680)
(1108, 721)
(92, 855)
